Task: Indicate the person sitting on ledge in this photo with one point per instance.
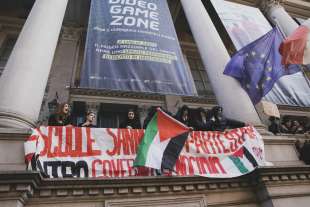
(61, 117)
(220, 123)
(90, 117)
(297, 128)
(132, 121)
(286, 126)
(274, 126)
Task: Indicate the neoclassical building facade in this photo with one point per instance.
(42, 46)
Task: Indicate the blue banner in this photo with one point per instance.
(132, 46)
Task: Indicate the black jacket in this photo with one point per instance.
(57, 120)
(135, 124)
(90, 126)
(221, 125)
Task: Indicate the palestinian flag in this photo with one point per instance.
(162, 143)
(295, 49)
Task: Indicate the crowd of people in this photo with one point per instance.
(288, 126)
(198, 119)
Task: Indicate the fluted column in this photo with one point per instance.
(229, 94)
(25, 76)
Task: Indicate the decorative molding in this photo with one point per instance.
(15, 120)
(14, 134)
(200, 100)
(119, 94)
(171, 201)
(30, 187)
(294, 108)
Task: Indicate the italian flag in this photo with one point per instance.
(295, 49)
(162, 143)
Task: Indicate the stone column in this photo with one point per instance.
(236, 103)
(24, 79)
(278, 16)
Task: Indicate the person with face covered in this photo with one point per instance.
(183, 116)
(61, 117)
(220, 123)
(90, 117)
(132, 121)
(201, 122)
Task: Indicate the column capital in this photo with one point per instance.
(71, 33)
(266, 5)
(93, 106)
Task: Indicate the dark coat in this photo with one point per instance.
(90, 125)
(57, 120)
(135, 124)
(221, 125)
(179, 115)
(198, 123)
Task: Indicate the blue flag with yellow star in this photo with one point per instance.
(257, 66)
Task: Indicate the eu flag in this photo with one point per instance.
(257, 66)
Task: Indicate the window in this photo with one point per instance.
(78, 112)
(199, 75)
(111, 115)
(5, 52)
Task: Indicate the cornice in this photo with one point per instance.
(284, 175)
(33, 186)
(80, 92)
(294, 108)
(119, 94)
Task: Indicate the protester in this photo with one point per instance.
(132, 121)
(183, 115)
(220, 123)
(274, 126)
(61, 117)
(286, 126)
(307, 126)
(200, 121)
(304, 152)
(151, 112)
(297, 128)
(90, 118)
